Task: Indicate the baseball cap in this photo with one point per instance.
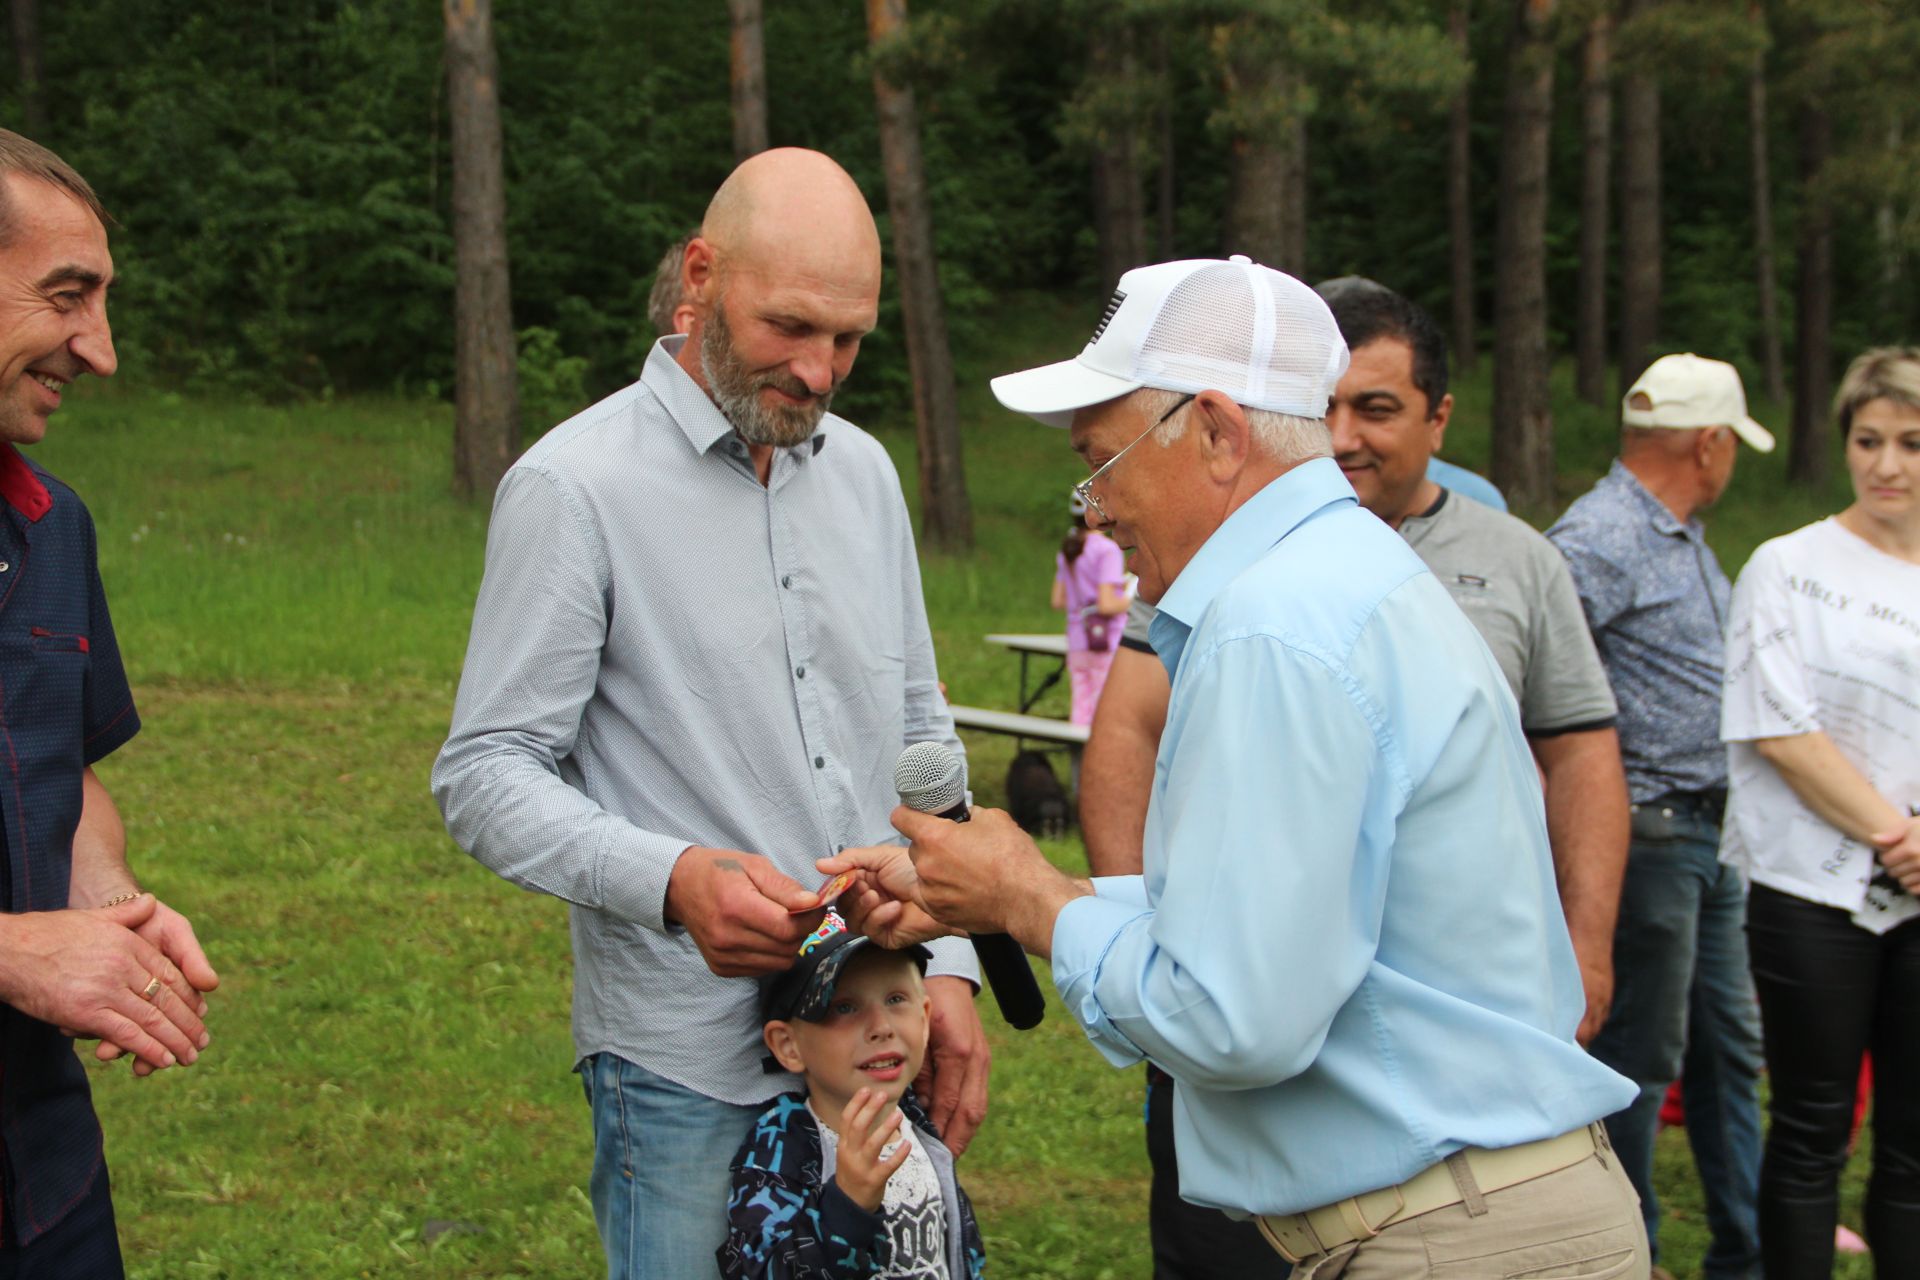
(1234, 326)
(805, 990)
(1687, 391)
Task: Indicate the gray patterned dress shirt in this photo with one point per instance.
(664, 654)
(1656, 599)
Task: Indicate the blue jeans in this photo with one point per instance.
(660, 1170)
(1683, 1006)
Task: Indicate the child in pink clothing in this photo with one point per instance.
(1089, 582)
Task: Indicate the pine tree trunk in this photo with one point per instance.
(1163, 122)
(1640, 238)
(1466, 345)
(1764, 271)
(1266, 193)
(1886, 229)
(1119, 213)
(1810, 452)
(1596, 115)
(1522, 409)
(486, 400)
(946, 520)
(1293, 197)
(748, 79)
(26, 52)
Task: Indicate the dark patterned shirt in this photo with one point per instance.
(1656, 599)
(787, 1218)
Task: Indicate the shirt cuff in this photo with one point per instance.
(1083, 933)
(633, 878)
(954, 958)
(1128, 889)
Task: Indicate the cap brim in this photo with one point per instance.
(1053, 393)
(808, 1000)
(1756, 436)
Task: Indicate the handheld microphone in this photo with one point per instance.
(931, 779)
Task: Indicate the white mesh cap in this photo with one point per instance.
(1253, 333)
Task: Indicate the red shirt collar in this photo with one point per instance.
(20, 487)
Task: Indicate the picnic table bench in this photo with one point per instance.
(1023, 726)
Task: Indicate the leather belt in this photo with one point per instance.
(1302, 1235)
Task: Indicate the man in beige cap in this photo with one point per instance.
(1655, 596)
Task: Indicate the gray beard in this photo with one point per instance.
(736, 392)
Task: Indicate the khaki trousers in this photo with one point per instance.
(1578, 1223)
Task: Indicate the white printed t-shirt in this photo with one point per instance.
(1824, 636)
(912, 1206)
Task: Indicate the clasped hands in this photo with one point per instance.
(1899, 852)
(87, 971)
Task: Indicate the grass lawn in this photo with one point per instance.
(292, 588)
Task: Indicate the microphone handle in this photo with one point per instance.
(1009, 976)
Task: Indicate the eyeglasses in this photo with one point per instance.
(1084, 490)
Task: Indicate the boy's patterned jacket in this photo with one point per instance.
(787, 1219)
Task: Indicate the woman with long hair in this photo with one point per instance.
(1090, 583)
(1822, 721)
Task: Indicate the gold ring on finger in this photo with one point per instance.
(153, 989)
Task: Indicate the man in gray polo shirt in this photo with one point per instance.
(1657, 602)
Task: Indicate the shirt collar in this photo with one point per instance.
(1657, 512)
(21, 487)
(1260, 524)
(693, 410)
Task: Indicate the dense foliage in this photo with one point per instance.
(280, 169)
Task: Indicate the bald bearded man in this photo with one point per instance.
(698, 648)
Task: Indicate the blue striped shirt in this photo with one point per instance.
(1347, 946)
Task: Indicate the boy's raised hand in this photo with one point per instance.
(861, 1172)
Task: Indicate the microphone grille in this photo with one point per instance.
(930, 778)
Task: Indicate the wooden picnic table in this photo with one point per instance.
(1049, 645)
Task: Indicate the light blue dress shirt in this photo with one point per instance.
(1347, 946)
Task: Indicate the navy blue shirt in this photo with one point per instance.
(64, 703)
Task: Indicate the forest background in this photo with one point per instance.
(1573, 187)
(1609, 179)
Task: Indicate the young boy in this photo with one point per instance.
(833, 1184)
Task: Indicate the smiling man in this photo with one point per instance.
(698, 650)
(1346, 947)
(82, 948)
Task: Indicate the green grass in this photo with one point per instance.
(293, 588)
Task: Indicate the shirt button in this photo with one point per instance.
(800, 672)
(4, 566)
(786, 580)
(819, 762)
